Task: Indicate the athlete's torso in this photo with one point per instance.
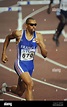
(26, 48)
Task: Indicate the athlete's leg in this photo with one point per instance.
(17, 89)
(59, 29)
(29, 85)
(24, 82)
(20, 87)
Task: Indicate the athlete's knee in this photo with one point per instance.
(30, 84)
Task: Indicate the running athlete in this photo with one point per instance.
(62, 16)
(27, 42)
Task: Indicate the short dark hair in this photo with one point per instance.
(30, 18)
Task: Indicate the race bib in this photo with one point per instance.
(27, 55)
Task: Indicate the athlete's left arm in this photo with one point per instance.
(41, 44)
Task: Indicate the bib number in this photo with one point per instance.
(27, 55)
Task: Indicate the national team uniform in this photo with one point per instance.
(25, 54)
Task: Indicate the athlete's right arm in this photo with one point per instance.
(5, 45)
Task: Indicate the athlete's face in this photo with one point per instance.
(31, 26)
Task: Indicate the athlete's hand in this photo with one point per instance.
(4, 58)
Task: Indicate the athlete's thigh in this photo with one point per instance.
(26, 78)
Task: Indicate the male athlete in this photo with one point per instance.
(27, 41)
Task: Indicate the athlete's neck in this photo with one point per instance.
(29, 35)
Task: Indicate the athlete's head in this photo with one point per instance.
(31, 24)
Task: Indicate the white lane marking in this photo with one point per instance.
(1, 99)
(14, 96)
(51, 61)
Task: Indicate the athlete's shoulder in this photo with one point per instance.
(18, 32)
(18, 35)
(38, 34)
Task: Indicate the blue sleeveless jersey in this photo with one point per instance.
(26, 48)
(25, 54)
